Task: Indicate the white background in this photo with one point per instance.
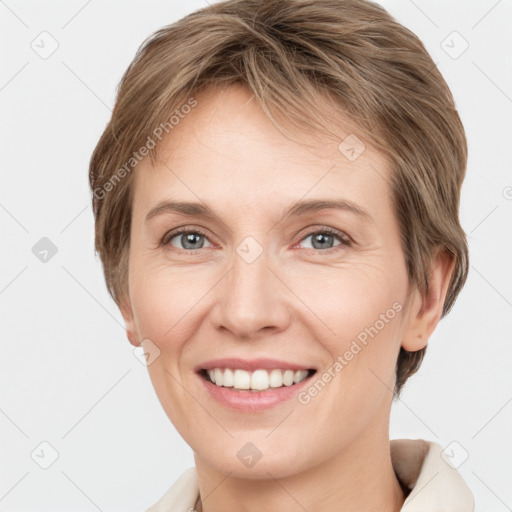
(68, 375)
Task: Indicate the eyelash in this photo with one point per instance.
(344, 239)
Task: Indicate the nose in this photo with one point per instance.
(251, 300)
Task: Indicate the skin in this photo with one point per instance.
(295, 302)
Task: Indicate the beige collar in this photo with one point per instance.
(434, 483)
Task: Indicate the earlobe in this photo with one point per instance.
(131, 332)
(424, 312)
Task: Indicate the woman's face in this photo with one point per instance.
(257, 277)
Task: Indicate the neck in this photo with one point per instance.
(360, 477)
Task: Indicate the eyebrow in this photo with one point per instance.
(297, 208)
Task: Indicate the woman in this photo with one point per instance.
(276, 204)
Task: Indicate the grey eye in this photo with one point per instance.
(189, 240)
(323, 240)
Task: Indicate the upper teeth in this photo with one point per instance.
(259, 379)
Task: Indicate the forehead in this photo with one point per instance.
(226, 148)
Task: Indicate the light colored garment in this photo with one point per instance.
(435, 486)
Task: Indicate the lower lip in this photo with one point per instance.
(252, 401)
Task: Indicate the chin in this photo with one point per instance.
(257, 460)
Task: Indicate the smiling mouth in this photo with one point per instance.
(258, 380)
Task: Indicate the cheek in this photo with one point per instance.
(360, 312)
(164, 301)
(359, 376)
(347, 300)
(165, 304)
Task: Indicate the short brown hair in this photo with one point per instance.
(289, 53)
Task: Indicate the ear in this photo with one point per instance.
(424, 312)
(131, 331)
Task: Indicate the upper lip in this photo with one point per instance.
(250, 364)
